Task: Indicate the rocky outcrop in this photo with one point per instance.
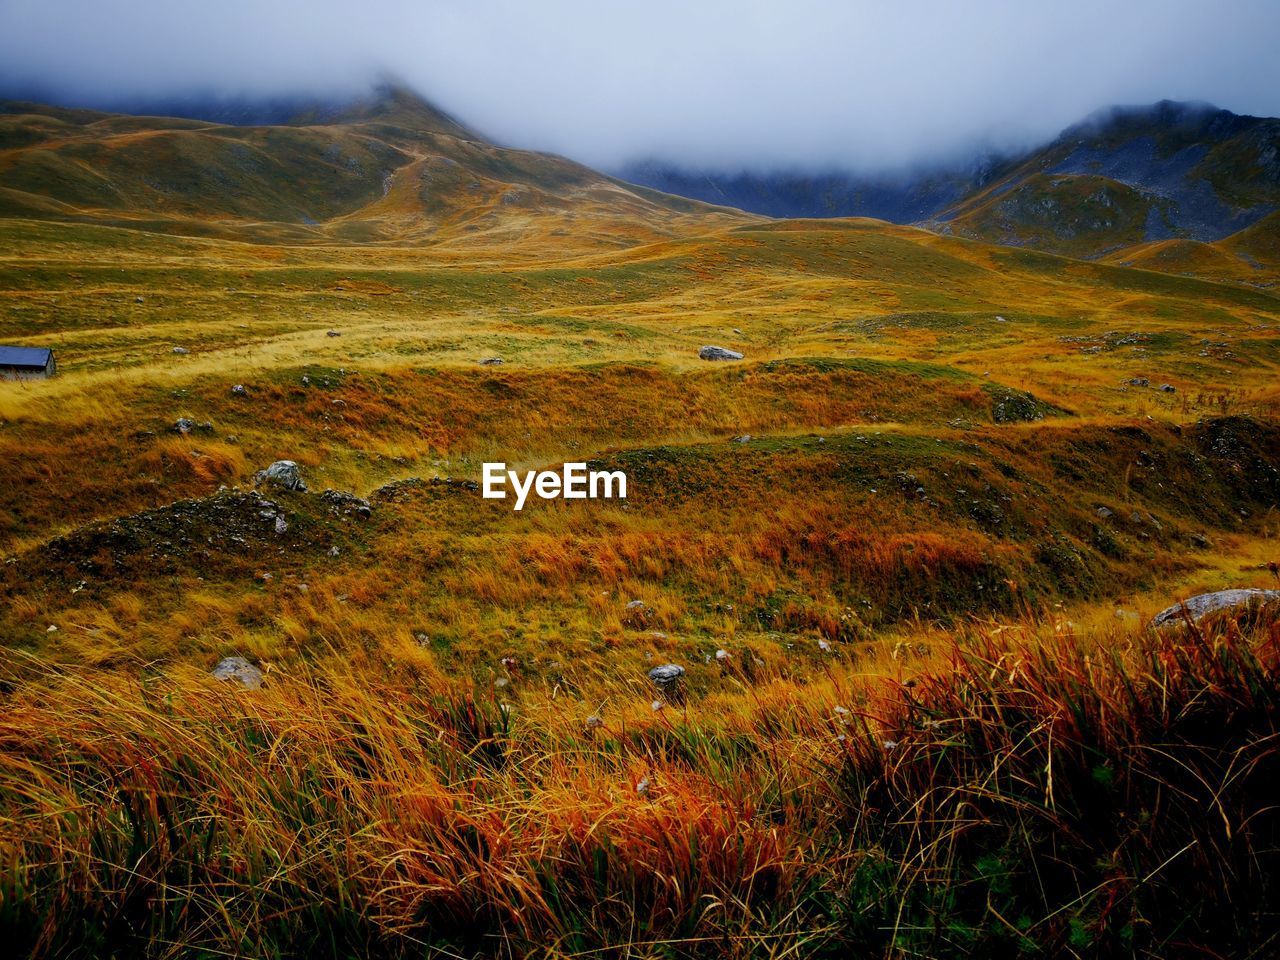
(718, 353)
(283, 474)
(1219, 601)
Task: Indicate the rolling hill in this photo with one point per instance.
(390, 167)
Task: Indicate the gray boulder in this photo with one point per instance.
(669, 679)
(1217, 602)
(666, 674)
(239, 670)
(284, 474)
(719, 353)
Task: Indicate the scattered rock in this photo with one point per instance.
(284, 474)
(1200, 541)
(1014, 406)
(333, 333)
(1139, 382)
(718, 353)
(184, 425)
(239, 391)
(240, 670)
(745, 438)
(139, 299)
(282, 525)
(181, 350)
(203, 533)
(1168, 388)
(490, 361)
(347, 504)
(398, 491)
(637, 614)
(1199, 606)
(1105, 513)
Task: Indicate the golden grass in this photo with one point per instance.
(419, 768)
(345, 809)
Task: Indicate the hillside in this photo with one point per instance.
(389, 168)
(1131, 175)
(1124, 176)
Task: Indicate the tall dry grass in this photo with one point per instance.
(1067, 799)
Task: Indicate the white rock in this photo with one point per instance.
(240, 670)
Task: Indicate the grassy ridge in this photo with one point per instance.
(767, 541)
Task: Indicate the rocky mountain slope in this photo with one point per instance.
(1132, 175)
(1125, 176)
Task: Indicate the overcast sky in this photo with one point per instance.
(749, 83)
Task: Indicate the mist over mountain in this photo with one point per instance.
(1121, 176)
(808, 85)
(389, 162)
(906, 196)
(387, 165)
(1128, 175)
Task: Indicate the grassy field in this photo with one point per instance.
(905, 550)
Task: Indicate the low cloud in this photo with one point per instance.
(797, 84)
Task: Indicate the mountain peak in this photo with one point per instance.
(1193, 119)
(391, 103)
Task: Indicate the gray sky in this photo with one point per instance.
(796, 83)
